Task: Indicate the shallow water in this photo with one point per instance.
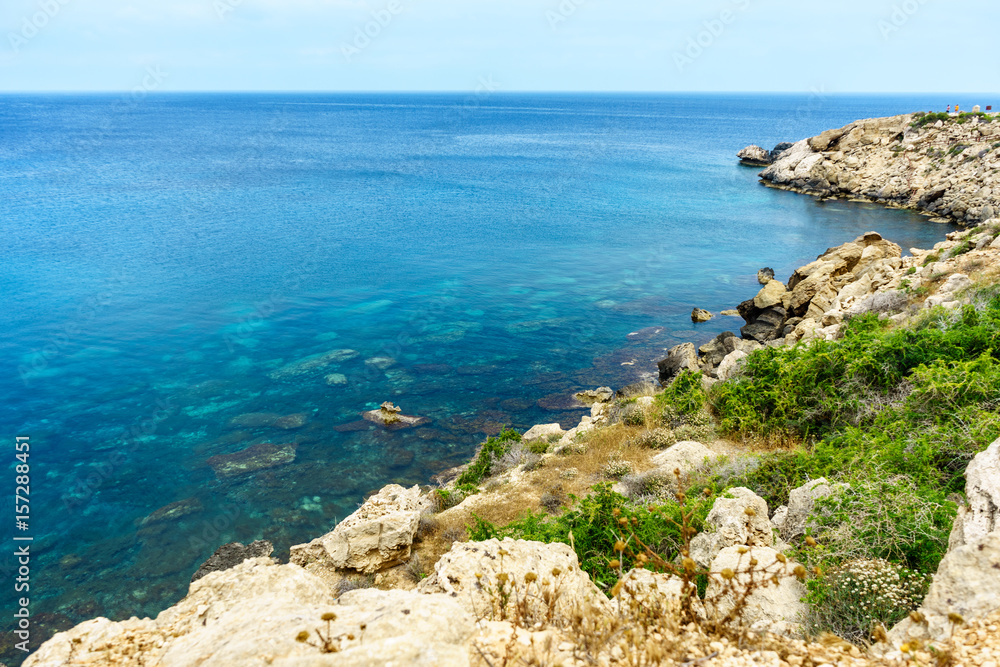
(173, 264)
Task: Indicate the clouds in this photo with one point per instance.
(529, 44)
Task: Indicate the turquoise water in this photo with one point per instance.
(168, 261)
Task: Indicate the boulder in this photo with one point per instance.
(767, 326)
(591, 396)
(654, 592)
(730, 365)
(967, 583)
(770, 607)
(539, 431)
(230, 555)
(769, 295)
(252, 615)
(823, 141)
(474, 573)
(715, 350)
(700, 315)
(685, 456)
(391, 417)
(779, 150)
(981, 515)
(801, 503)
(755, 156)
(376, 536)
(739, 520)
(679, 358)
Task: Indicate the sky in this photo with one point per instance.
(508, 45)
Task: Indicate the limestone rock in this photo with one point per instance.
(741, 519)
(713, 352)
(885, 160)
(700, 315)
(766, 326)
(769, 295)
(552, 565)
(377, 535)
(801, 504)
(232, 554)
(755, 156)
(967, 583)
(730, 365)
(591, 396)
(685, 456)
(981, 516)
(775, 608)
(539, 431)
(391, 417)
(679, 358)
(251, 614)
(656, 592)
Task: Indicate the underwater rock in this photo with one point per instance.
(174, 511)
(265, 419)
(289, 422)
(232, 554)
(391, 416)
(312, 363)
(254, 419)
(335, 379)
(559, 402)
(252, 459)
(381, 363)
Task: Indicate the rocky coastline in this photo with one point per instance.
(399, 582)
(946, 166)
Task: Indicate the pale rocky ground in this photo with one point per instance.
(264, 613)
(948, 169)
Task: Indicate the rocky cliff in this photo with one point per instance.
(944, 165)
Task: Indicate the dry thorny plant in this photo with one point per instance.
(656, 623)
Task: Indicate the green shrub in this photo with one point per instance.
(896, 413)
(593, 526)
(683, 396)
(489, 453)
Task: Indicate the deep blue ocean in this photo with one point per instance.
(474, 258)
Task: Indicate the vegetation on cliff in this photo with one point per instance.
(895, 413)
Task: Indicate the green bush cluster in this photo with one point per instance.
(593, 525)
(921, 119)
(489, 453)
(897, 413)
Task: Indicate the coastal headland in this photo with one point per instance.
(845, 439)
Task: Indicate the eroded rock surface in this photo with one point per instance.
(377, 535)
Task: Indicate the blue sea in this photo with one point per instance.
(180, 271)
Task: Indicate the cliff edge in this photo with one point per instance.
(947, 166)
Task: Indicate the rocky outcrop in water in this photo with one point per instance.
(230, 555)
(949, 168)
(755, 156)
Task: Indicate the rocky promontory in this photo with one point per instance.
(947, 166)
